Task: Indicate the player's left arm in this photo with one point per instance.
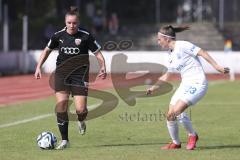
(211, 61)
(95, 48)
(101, 61)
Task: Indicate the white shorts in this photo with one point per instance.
(189, 93)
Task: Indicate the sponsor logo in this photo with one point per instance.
(70, 50)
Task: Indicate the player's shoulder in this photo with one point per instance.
(84, 31)
(188, 47)
(183, 43)
(60, 32)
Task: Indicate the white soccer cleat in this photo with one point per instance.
(82, 127)
(63, 145)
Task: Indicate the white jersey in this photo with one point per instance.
(184, 60)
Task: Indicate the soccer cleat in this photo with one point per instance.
(82, 127)
(171, 146)
(63, 145)
(192, 140)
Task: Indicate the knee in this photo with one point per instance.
(82, 114)
(62, 106)
(171, 116)
(81, 109)
(183, 117)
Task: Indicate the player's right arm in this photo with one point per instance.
(164, 78)
(44, 55)
(53, 43)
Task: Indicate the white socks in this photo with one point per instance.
(173, 127)
(185, 121)
(173, 131)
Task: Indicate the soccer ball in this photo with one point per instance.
(46, 140)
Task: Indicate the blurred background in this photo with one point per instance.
(27, 25)
(137, 20)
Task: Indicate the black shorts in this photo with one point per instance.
(75, 84)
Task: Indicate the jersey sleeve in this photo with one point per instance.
(53, 42)
(93, 45)
(190, 48)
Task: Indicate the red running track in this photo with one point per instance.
(15, 89)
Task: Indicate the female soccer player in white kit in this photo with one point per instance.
(183, 58)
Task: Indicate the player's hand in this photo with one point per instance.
(102, 73)
(150, 90)
(224, 70)
(38, 73)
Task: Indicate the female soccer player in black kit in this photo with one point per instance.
(72, 42)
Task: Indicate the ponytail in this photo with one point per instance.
(170, 31)
(180, 28)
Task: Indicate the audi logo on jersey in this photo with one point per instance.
(70, 50)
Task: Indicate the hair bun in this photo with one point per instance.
(73, 9)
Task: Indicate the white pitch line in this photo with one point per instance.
(91, 107)
(25, 120)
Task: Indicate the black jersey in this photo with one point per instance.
(72, 45)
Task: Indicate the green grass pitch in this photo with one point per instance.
(128, 132)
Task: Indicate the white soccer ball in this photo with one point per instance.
(46, 140)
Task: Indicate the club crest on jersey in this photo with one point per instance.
(78, 42)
